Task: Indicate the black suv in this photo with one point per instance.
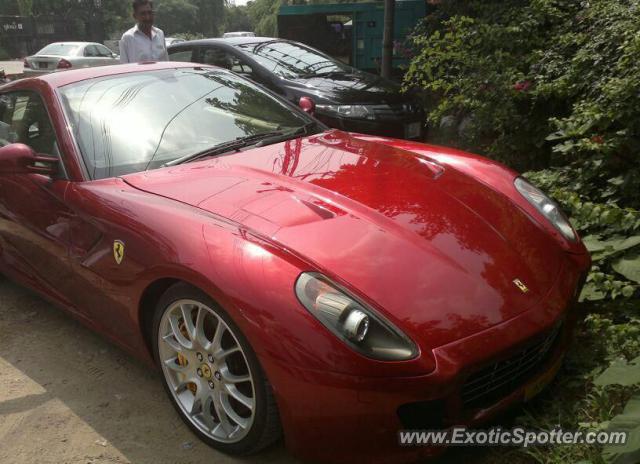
(344, 97)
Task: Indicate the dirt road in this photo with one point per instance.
(68, 396)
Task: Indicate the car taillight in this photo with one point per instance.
(63, 64)
(26, 64)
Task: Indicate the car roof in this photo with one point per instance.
(69, 43)
(228, 41)
(60, 79)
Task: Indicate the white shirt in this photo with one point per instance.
(136, 46)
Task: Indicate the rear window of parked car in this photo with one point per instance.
(59, 49)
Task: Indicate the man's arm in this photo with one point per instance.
(124, 56)
(165, 54)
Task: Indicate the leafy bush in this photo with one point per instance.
(535, 82)
(553, 85)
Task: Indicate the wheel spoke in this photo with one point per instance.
(177, 333)
(172, 364)
(170, 340)
(199, 400)
(240, 397)
(232, 414)
(207, 416)
(186, 309)
(216, 343)
(228, 377)
(220, 412)
(199, 335)
(221, 354)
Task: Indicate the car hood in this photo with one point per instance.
(348, 88)
(431, 248)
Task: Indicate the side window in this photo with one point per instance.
(240, 67)
(24, 119)
(218, 57)
(90, 50)
(103, 51)
(180, 55)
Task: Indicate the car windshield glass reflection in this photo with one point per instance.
(291, 60)
(132, 122)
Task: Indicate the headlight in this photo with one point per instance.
(348, 111)
(547, 207)
(357, 325)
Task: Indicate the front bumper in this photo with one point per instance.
(396, 128)
(334, 418)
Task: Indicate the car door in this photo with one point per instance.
(34, 220)
(90, 56)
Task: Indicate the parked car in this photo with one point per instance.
(61, 56)
(227, 35)
(344, 97)
(283, 276)
(172, 40)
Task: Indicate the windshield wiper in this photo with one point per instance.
(231, 145)
(283, 136)
(324, 74)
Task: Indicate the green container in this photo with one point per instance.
(358, 41)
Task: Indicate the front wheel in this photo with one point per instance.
(211, 373)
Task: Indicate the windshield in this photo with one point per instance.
(291, 60)
(137, 121)
(58, 49)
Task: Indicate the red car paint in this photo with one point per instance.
(431, 237)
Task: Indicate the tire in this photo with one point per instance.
(212, 374)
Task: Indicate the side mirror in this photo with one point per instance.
(307, 105)
(18, 158)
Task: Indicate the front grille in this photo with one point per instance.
(501, 378)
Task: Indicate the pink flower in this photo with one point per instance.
(521, 86)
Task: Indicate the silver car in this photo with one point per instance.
(60, 56)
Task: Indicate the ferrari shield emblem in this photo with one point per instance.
(118, 250)
(520, 284)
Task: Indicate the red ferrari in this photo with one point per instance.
(285, 279)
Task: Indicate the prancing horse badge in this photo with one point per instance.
(118, 250)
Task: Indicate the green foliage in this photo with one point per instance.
(529, 82)
(264, 15)
(629, 421)
(238, 19)
(620, 372)
(542, 83)
(174, 16)
(611, 233)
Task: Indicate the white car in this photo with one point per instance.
(60, 56)
(172, 40)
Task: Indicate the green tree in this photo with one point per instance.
(237, 19)
(210, 17)
(264, 14)
(174, 16)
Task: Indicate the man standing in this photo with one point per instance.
(143, 42)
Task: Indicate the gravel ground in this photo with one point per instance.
(69, 396)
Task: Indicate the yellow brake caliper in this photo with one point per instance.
(182, 361)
